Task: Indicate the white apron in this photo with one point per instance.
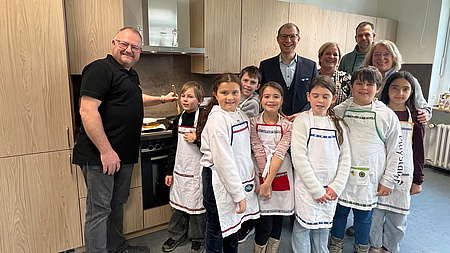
(230, 221)
(282, 201)
(323, 154)
(186, 193)
(368, 154)
(400, 199)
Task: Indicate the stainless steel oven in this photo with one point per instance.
(154, 153)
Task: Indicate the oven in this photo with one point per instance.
(154, 153)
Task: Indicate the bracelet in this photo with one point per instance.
(163, 99)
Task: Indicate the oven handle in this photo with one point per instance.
(158, 158)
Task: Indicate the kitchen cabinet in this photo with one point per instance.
(386, 29)
(91, 26)
(216, 26)
(260, 23)
(35, 99)
(40, 211)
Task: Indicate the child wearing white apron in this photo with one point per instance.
(321, 158)
(389, 217)
(228, 176)
(271, 138)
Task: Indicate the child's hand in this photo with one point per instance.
(323, 199)
(422, 116)
(265, 190)
(169, 180)
(383, 190)
(242, 206)
(415, 189)
(331, 193)
(190, 137)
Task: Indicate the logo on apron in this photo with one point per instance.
(249, 188)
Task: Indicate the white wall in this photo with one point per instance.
(412, 19)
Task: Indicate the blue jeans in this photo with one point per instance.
(106, 195)
(214, 240)
(309, 240)
(388, 229)
(361, 222)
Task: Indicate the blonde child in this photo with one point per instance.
(321, 158)
(228, 177)
(375, 144)
(271, 138)
(184, 177)
(389, 217)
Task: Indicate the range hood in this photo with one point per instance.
(164, 25)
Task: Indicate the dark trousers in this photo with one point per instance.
(106, 195)
(182, 224)
(268, 226)
(214, 240)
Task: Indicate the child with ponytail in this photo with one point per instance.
(321, 159)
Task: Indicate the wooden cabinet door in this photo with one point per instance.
(35, 103)
(260, 23)
(216, 26)
(91, 27)
(39, 210)
(386, 29)
(307, 18)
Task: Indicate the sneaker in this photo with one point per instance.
(350, 231)
(170, 245)
(197, 247)
(136, 249)
(244, 233)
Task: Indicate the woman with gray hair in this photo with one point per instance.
(384, 55)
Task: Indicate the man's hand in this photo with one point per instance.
(383, 190)
(110, 162)
(171, 97)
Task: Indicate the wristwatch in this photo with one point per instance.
(163, 99)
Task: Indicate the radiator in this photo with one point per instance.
(437, 145)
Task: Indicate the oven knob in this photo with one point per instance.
(157, 146)
(151, 147)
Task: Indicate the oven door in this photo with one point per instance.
(154, 191)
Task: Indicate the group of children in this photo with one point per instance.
(228, 169)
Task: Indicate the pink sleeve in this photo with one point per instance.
(285, 141)
(257, 147)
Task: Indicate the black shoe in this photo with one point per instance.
(244, 233)
(350, 231)
(197, 247)
(171, 244)
(136, 249)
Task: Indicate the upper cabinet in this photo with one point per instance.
(91, 26)
(216, 26)
(35, 104)
(260, 23)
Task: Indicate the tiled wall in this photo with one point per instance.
(157, 73)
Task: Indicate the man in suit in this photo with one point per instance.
(292, 71)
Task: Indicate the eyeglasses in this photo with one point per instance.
(285, 36)
(124, 45)
(385, 54)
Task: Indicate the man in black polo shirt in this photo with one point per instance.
(111, 108)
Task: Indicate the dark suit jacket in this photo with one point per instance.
(294, 100)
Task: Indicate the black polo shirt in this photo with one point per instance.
(121, 111)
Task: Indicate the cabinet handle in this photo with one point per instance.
(209, 63)
(68, 136)
(70, 164)
(158, 158)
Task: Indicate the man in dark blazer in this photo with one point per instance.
(292, 71)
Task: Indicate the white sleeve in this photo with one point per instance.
(420, 102)
(394, 153)
(300, 160)
(343, 170)
(223, 157)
